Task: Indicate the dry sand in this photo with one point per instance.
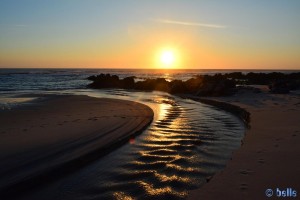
(270, 155)
(62, 129)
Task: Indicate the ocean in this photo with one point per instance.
(28, 80)
(16, 82)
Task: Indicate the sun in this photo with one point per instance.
(167, 57)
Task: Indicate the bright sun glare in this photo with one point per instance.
(167, 58)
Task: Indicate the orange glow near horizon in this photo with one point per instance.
(151, 48)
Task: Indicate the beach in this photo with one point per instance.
(150, 100)
(66, 146)
(268, 157)
(63, 131)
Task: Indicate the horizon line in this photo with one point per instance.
(242, 69)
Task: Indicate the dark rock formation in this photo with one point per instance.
(279, 87)
(216, 85)
(111, 81)
(292, 79)
(177, 86)
(104, 81)
(128, 82)
(202, 85)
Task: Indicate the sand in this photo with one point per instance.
(269, 157)
(60, 133)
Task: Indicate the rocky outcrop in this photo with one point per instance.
(262, 78)
(202, 85)
(111, 81)
(279, 87)
(217, 88)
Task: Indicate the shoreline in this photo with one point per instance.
(267, 157)
(57, 134)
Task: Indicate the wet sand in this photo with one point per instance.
(270, 152)
(62, 133)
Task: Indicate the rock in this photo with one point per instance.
(104, 81)
(192, 85)
(279, 87)
(128, 82)
(215, 87)
(203, 85)
(177, 86)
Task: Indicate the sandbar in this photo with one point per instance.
(59, 133)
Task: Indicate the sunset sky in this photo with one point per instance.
(254, 34)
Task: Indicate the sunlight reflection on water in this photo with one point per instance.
(186, 143)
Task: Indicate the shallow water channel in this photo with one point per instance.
(184, 146)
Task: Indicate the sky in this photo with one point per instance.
(202, 34)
